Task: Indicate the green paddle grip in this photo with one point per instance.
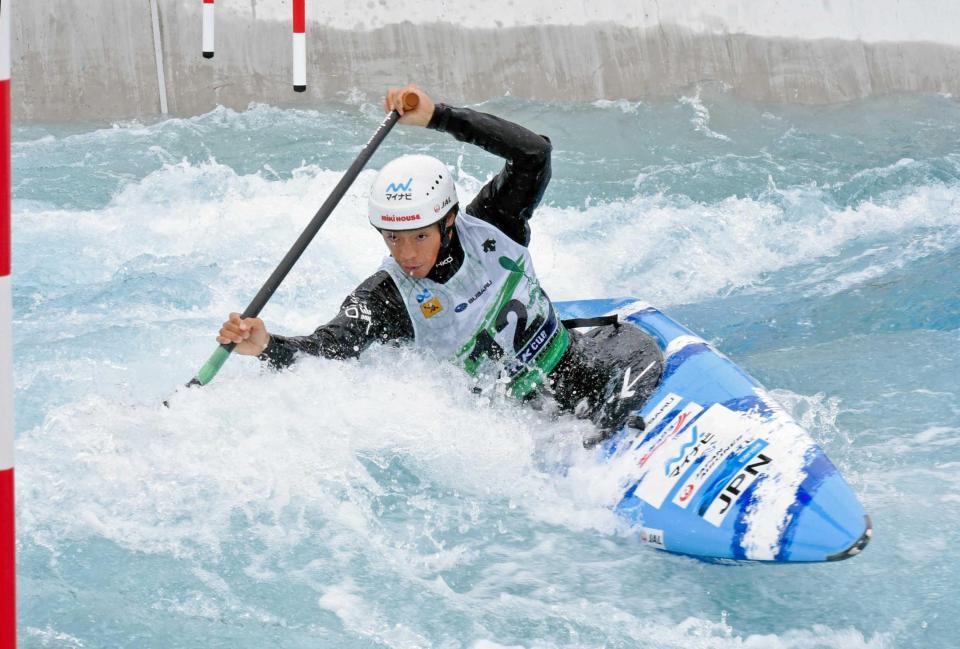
(212, 366)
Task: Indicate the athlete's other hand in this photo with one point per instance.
(250, 334)
(419, 116)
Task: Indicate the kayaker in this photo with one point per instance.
(461, 282)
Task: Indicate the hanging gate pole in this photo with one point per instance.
(8, 596)
(299, 45)
(207, 29)
(158, 55)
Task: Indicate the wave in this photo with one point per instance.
(358, 495)
(668, 249)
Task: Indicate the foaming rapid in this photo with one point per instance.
(379, 502)
(295, 439)
(677, 251)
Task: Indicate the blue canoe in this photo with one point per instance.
(720, 470)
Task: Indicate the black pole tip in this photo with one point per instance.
(208, 55)
(299, 88)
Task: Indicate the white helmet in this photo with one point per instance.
(411, 192)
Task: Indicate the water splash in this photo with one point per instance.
(378, 501)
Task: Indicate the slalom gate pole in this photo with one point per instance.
(208, 29)
(299, 45)
(8, 564)
(220, 355)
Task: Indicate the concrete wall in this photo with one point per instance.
(94, 59)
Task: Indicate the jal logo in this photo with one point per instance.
(399, 191)
(651, 536)
(440, 206)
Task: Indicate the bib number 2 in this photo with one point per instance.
(486, 345)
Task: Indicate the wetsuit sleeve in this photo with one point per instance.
(373, 312)
(508, 200)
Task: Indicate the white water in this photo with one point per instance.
(378, 502)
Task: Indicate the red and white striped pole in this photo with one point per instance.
(299, 45)
(8, 597)
(208, 29)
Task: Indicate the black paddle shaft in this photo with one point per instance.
(300, 245)
(212, 366)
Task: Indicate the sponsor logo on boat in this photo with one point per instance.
(720, 453)
(689, 411)
(717, 465)
(660, 410)
(652, 537)
(688, 452)
(693, 445)
(711, 461)
(717, 510)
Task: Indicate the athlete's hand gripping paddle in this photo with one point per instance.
(220, 355)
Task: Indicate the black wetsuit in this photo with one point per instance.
(375, 311)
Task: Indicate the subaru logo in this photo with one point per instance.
(460, 307)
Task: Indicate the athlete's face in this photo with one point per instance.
(415, 250)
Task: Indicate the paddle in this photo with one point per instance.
(220, 355)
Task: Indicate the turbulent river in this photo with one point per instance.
(378, 503)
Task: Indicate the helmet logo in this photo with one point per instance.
(410, 192)
(400, 191)
(399, 218)
(440, 206)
